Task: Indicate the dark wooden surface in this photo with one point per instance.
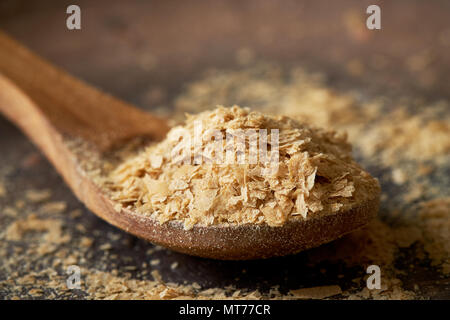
(131, 48)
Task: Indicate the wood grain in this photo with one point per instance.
(70, 106)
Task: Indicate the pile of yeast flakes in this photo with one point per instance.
(315, 175)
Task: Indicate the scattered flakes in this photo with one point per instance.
(155, 262)
(391, 288)
(156, 275)
(398, 176)
(52, 227)
(76, 213)
(86, 242)
(195, 285)
(130, 268)
(10, 211)
(174, 265)
(297, 93)
(397, 134)
(20, 204)
(36, 292)
(103, 285)
(316, 292)
(37, 195)
(401, 135)
(105, 247)
(53, 207)
(80, 227)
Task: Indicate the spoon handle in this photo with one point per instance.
(51, 107)
(69, 105)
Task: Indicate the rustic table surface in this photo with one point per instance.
(146, 51)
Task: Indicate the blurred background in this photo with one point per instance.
(135, 47)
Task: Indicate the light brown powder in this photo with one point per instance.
(315, 175)
(412, 137)
(53, 234)
(37, 195)
(53, 207)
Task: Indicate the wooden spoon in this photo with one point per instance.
(54, 109)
